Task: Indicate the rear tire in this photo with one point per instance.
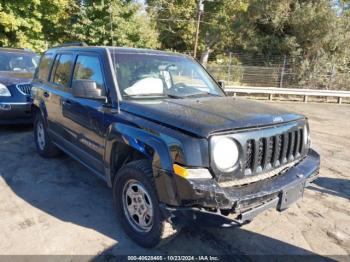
(43, 143)
(136, 202)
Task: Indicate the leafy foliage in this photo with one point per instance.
(313, 33)
(114, 22)
(32, 23)
(176, 22)
(39, 24)
(310, 32)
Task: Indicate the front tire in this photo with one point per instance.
(137, 206)
(43, 143)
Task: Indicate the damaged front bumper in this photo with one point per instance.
(205, 203)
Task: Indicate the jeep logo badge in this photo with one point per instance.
(277, 119)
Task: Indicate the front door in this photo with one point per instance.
(84, 118)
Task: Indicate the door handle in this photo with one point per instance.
(46, 94)
(66, 102)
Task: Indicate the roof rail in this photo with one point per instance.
(71, 44)
(18, 48)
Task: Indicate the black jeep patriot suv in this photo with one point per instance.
(162, 133)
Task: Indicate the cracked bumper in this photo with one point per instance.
(204, 201)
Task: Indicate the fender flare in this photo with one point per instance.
(138, 139)
(42, 108)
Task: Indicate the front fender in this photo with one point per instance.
(139, 139)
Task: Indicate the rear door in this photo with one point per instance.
(83, 117)
(42, 86)
(57, 88)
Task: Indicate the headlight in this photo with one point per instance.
(225, 154)
(4, 91)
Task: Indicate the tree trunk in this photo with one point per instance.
(205, 57)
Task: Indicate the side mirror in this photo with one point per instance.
(87, 89)
(221, 83)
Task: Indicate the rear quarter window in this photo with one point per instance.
(45, 67)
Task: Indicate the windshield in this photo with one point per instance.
(13, 61)
(170, 76)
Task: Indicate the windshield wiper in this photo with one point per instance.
(145, 95)
(174, 96)
(155, 96)
(201, 94)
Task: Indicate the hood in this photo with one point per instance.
(8, 78)
(204, 116)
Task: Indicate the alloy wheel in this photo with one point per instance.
(40, 135)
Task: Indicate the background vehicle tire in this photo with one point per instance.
(43, 143)
(135, 198)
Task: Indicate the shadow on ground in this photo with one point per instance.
(334, 186)
(9, 129)
(66, 190)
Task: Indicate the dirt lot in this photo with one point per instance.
(59, 207)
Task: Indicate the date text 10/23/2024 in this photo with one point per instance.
(173, 258)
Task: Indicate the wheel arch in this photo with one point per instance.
(40, 108)
(134, 143)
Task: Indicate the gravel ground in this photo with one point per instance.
(58, 207)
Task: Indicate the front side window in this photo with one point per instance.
(17, 61)
(63, 69)
(161, 75)
(89, 68)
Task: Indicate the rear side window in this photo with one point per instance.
(63, 69)
(45, 67)
(89, 68)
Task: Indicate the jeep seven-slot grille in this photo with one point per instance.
(269, 152)
(24, 88)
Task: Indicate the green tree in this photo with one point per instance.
(33, 23)
(310, 32)
(113, 22)
(176, 22)
(313, 33)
